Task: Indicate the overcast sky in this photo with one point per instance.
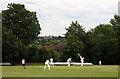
(56, 15)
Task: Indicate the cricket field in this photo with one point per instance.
(61, 71)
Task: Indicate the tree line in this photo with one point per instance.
(20, 28)
(100, 43)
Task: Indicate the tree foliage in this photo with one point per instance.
(102, 44)
(116, 26)
(23, 23)
(19, 28)
(75, 37)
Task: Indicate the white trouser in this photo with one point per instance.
(51, 64)
(68, 65)
(82, 63)
(47, 65)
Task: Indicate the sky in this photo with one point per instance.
(56, 15)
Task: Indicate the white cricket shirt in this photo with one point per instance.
(51, 60)
(23, 61)
(47, 62)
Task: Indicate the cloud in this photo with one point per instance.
(56, 15)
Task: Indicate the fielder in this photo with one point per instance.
(51, 62)
(69, 61)
(100, 62)
(23, 63)
(47, 63)
(82, 59)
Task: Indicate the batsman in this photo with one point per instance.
(82, 59)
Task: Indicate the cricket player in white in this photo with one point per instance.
(99, 62)
(68, 61)
(47, 63)
(82, 59)
(23, 63)
(51, 62)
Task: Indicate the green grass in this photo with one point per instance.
(61, 71)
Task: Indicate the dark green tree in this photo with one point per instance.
(116, 26)
(102, 44)
(23, 23)
(12, 48)
(19, 28)
(33, 53)
(75, 38)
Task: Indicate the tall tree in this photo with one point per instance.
(116, 26)
(102, 44)
(75, 37)
(23, 23)
(19, 28)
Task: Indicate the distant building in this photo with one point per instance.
(47, 37)
(57, 47)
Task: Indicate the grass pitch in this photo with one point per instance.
(61, 71)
